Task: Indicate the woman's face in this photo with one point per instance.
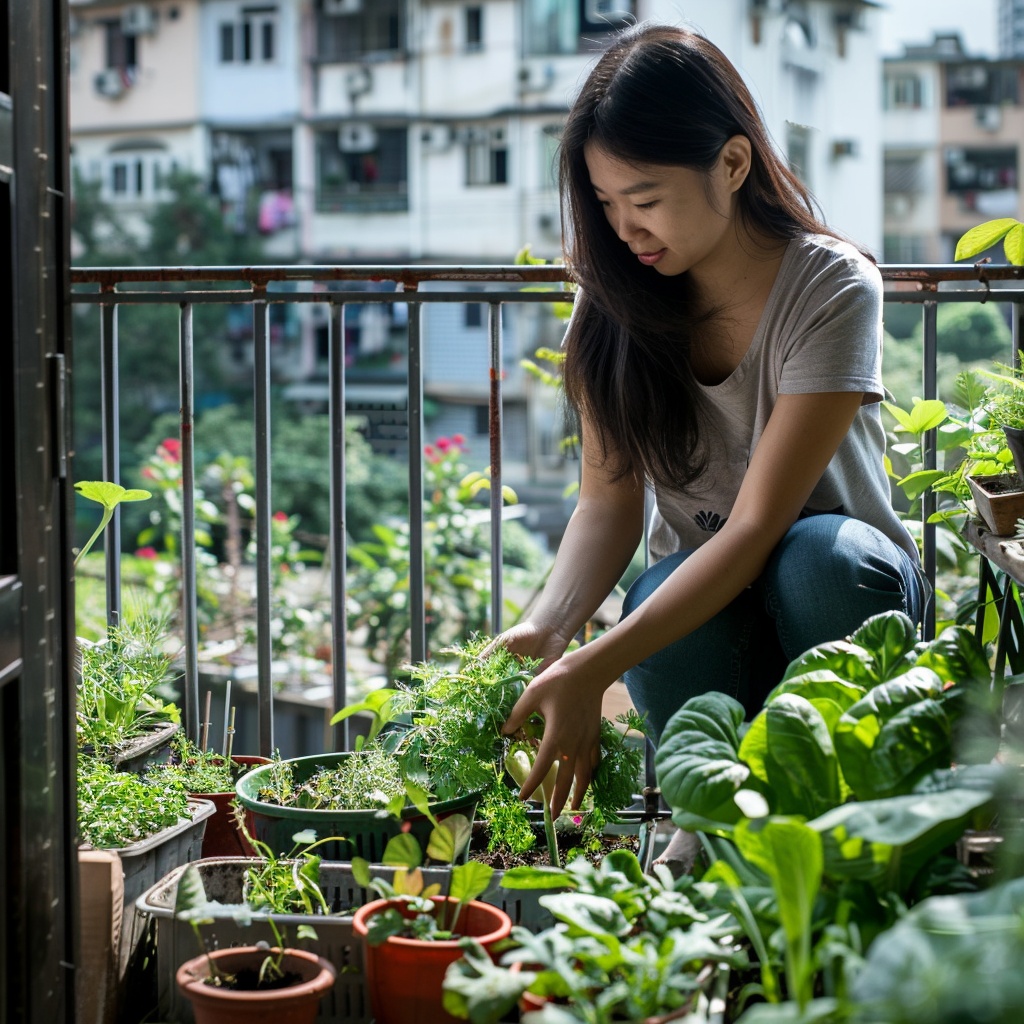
(673, 219)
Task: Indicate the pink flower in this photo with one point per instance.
(577, 819)
(148, 473)
(428, 450)
(458, 439)
(443, 444)
(147, 552)
(280, 517)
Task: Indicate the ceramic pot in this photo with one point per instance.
(223, 838)
(296, 1004)
(999, 501)
(404, 976)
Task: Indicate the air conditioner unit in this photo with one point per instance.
(435, 138)
(343, 6)
(357, 138)
(138, 20)
(989, 117)
(110, 83)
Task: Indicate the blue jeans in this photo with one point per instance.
(828, 574)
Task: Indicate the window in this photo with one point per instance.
(474, 28)
(980, 85)
(903, 92)
(133, 176)
(378, 28)
(121, 51)
(981, 170)
(251, 39)
(473, 314)
(362, 171)
(486, 157)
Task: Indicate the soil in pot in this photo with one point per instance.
(537, 856)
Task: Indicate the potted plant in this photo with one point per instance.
(247, 984)
(412, 933)
(444, 725)
(208, 775)
(624, 945)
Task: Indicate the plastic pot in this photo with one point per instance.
(404, 977)
(295, 1004)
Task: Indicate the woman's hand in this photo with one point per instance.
(567, 695)
(530, 640)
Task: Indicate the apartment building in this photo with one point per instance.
(953, 126)
(384, 131)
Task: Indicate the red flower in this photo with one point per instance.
(148, 473)
(147, 553)
(280, 517)
(172, 449)
(458, 439)
(443, 444)
(428, 450)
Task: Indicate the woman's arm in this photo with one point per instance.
(798, 442)
(599, 541)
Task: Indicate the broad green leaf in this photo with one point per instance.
(540, 877)
(1013, 245)
(697, 762)
(849, 661)
(982, 237)
(889, 637)
(916, 484)
(587, 915)
(402, 850)
(470, 880)
(476, 989)
(449, 838)
(956, 656)
(926, 414)
(803, 771)
(901, 416)
(108, 494)
(822, 684)
(376, 702)
(894, 736)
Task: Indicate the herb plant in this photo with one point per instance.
(198, 770)
(444, 728)
(119, 684)
(116, 809)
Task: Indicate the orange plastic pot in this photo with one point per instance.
(404, 976)
(222, 837)
(296, 1004)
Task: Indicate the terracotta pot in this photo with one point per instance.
(999, 501)
(297, 1004)
(404, 976)
(223, 838)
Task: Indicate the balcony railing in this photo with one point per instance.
(259, 288)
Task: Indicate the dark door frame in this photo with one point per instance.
(38, 862)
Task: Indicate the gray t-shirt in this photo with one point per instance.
(821, 330)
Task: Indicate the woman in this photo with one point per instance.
(724, 353)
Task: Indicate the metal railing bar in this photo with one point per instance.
(111, 419)
(495, 434)
(337, 552)
(189, 588)
(929, 446)
(236, 298)
(264, 650)
(417, 576)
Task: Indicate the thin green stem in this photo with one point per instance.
(107, 514)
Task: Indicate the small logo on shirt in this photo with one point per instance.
(709, 522)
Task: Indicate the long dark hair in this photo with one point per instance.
(658, 95)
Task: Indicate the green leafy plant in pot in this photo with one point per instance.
(259, 983)
(412, 933)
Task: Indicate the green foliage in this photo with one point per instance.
(624, 946)
(116, 809)
(198, 770)
(416, 913)
(984, 236)
(118, 688)
(444, 726)
(109, 495)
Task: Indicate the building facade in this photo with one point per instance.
(404, 131)
(953, 126)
